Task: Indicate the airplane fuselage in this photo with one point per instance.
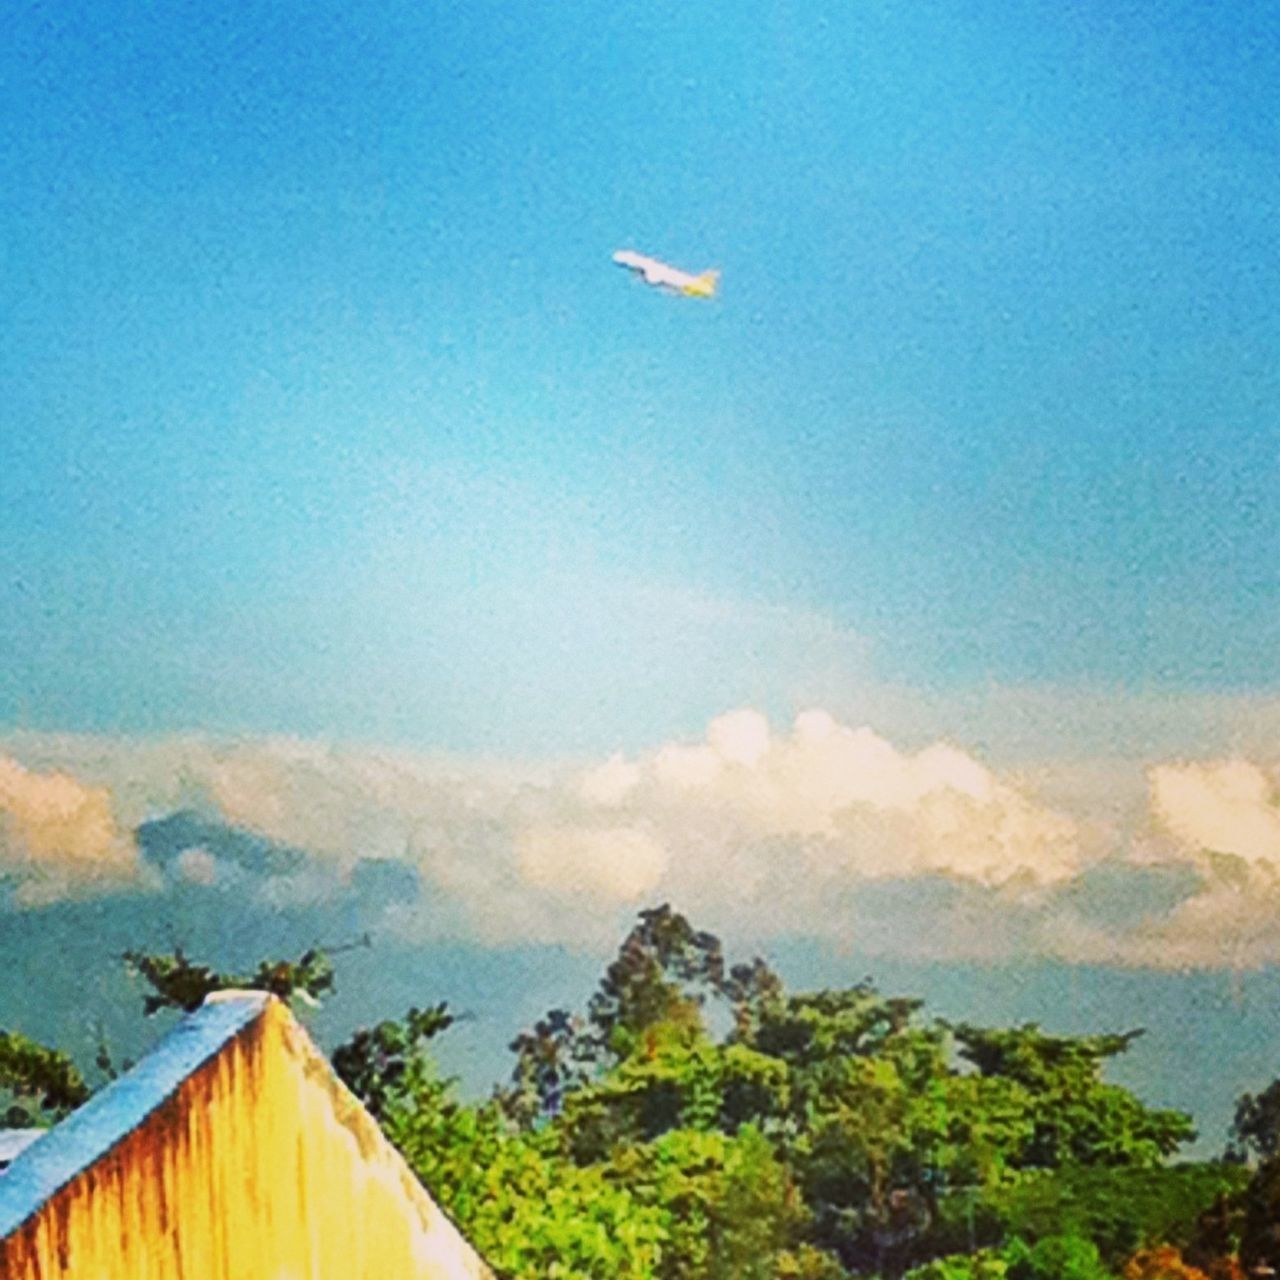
(663, 276)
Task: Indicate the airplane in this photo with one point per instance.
(665, 277)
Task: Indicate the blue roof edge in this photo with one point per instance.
(85, 1136)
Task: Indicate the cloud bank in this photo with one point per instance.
(826, 829)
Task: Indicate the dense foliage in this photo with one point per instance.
(42, 1085)
(180, 983)
(823, 1135)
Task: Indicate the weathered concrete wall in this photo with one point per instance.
(257, 1164)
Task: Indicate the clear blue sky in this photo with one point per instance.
(324, 411)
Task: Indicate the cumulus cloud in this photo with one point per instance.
(770, 831)
(59, 837)
(824, 828)
(1224, 917)
(1229, 806)
(1196, 885)
(844, 797)
(612, 864)
(1215, 825)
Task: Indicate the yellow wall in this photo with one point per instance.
(261, 1167)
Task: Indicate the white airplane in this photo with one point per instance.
(665, 277)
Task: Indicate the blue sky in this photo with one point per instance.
(315, 361)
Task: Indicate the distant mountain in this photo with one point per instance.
(162, 841)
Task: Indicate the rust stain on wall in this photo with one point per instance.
(261, 1166)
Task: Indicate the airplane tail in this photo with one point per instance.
(703, 286)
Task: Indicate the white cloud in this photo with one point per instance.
(740, 737)
(826, 829)
(613, 864)
(197, 866)
(1228, 806)
(848, 798)
(1219, 822)
(610, 783)
(59, 837)
(745, 821)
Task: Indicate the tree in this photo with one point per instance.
(180, 983)
(729, 1205)
(551, 1059)
(1077, 1119)
(867, 1116)
(755, 993)
(984, 1264)
(677, 1082)
(43, 1084)
(1255, 1130)
(1251, 1218)
(1121, 1209)
(1214, 1245)
(384, 1066)
(654, 989)
(663, 973)
(530, 1211)
(1058, 1257)
(1260, 1237)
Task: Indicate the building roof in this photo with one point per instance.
(91, 1131)
(14, 1141)
(231, 1149)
